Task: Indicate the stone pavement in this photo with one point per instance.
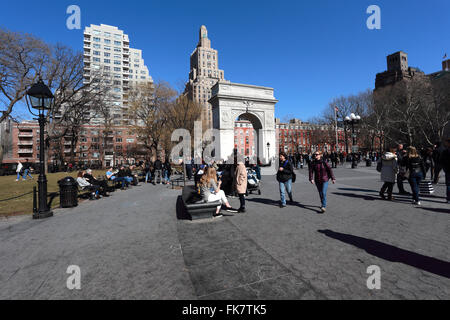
(131, 246)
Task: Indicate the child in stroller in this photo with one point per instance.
(253, 183)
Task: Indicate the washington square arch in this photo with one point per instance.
(256, 104)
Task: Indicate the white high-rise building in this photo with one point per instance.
(107, 53)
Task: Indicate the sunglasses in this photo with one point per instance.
(317, 154)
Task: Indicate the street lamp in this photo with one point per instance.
(40, 98)
(268, 152)
(353, 120)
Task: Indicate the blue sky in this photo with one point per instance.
(308, 51)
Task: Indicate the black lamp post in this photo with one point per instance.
(353, 120)
(40, 97)
(268, 152)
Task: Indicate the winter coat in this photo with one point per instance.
(286, 174)
(415, 165)
(19, 168)
(241, 179)
(320, 172)
(389, 167)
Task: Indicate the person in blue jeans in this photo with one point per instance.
(416, 168)
(319, 174)
(284, 178)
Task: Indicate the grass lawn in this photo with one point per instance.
(9, 188)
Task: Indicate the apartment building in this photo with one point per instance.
(108, 55)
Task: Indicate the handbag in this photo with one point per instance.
(379, 166)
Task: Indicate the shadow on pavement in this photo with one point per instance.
(359, 196)
(315, 209)
(355, 189)
(264, 201)
(440, 210)
(393, 254)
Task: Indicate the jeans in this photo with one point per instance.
(414, 181)
(120, 179)
(285, 186)
(322, 188)
(166, 176)
(26, 173)
(148, 176)
(18, 175)
(158, 175)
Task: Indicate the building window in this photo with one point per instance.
(96, 39)
(118, 139)
(107, 61)
(117, 43)
(107, 41)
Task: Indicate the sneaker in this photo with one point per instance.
(282, 206)
(382, 196)
(323, 210)
(241, 210)
(218, 215)
(418, 203)
(231, 210)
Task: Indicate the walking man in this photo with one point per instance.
(284, 178)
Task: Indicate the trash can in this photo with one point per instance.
(68, 192)
(368, 163)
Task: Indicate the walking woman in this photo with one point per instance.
(319, 174)
(210, 190)
(284, 177)
(241, 184)
(416, 169)
(388, 167)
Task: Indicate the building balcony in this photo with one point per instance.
(26, 135)
(25, 143)
(25, 151)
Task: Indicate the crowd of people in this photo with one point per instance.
(216, 181)
(400, 164)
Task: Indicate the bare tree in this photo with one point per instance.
(23, 58)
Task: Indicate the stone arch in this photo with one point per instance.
(255, 104)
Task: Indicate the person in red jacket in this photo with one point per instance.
(319, 174)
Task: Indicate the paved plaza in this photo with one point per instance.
(131, 246)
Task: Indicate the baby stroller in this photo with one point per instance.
(253, 183)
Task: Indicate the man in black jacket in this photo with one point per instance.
(158, 171)
(284, 177)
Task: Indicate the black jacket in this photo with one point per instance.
(157, 165)
(286, 174)
(415, 165)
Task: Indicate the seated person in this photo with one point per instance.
(134, 173)
(85, 185)
(123, 174)
(112, 175)
(102, 184)
(210, 191)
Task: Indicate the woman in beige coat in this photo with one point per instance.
(241, 184)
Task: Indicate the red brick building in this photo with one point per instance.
(93, 147)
